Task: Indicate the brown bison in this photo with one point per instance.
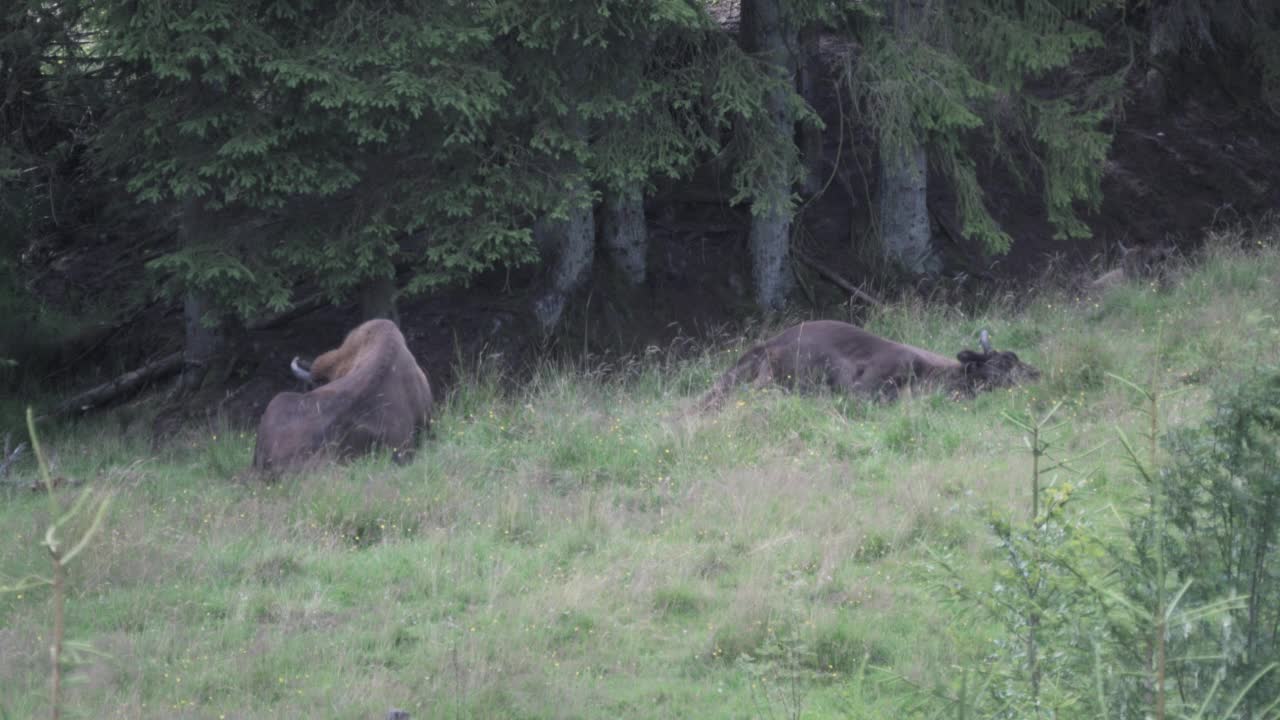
(371, 394)
(846, 358)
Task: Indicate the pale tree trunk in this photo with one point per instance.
(204, 339)
(770, 270)
(904, 213)
(570, 241)
(904, 177)
(574, 240)
(378, 298)
(770, 35)
(625, 236)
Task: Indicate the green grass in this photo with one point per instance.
(587, 546)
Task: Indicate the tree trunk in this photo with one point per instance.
(378, 298)
(808, 82)
(904, 173)
(770, 237)
(625, 236)
(204, 340)
(574, 240)
(904, 214)
(1164, 40)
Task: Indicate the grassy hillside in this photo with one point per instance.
(588, 547)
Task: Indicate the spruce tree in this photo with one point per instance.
(771, 31)
(615, 95)
(904, 171)
(323, 138)
(960, 77)
(760, 89)
(344, 141)
(50, 195)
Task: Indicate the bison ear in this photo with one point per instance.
(969, 357)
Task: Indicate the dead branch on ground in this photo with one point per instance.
(835, 279)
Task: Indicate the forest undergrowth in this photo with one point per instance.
(589, 546)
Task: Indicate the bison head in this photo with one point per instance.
(993, 369)
(324, 369)
(335, 364)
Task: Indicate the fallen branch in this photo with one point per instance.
(128, 382)
(91, 339)
(835, 279)
(164, 367)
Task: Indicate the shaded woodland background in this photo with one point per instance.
(219, 186)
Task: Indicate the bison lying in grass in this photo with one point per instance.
(846, 358)
(372, 394)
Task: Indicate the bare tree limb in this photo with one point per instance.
(835, 279)
(128, 382)
(162, 368)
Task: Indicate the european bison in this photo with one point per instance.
(372, 394)
(847, 358)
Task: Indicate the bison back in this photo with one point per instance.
(291, 430)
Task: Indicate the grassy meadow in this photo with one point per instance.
(587, 546)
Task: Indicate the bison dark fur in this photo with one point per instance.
(372, 394)
(846, 358)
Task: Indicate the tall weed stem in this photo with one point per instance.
(60, 556)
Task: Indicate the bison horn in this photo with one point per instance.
(984, 340)
(302, 373)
